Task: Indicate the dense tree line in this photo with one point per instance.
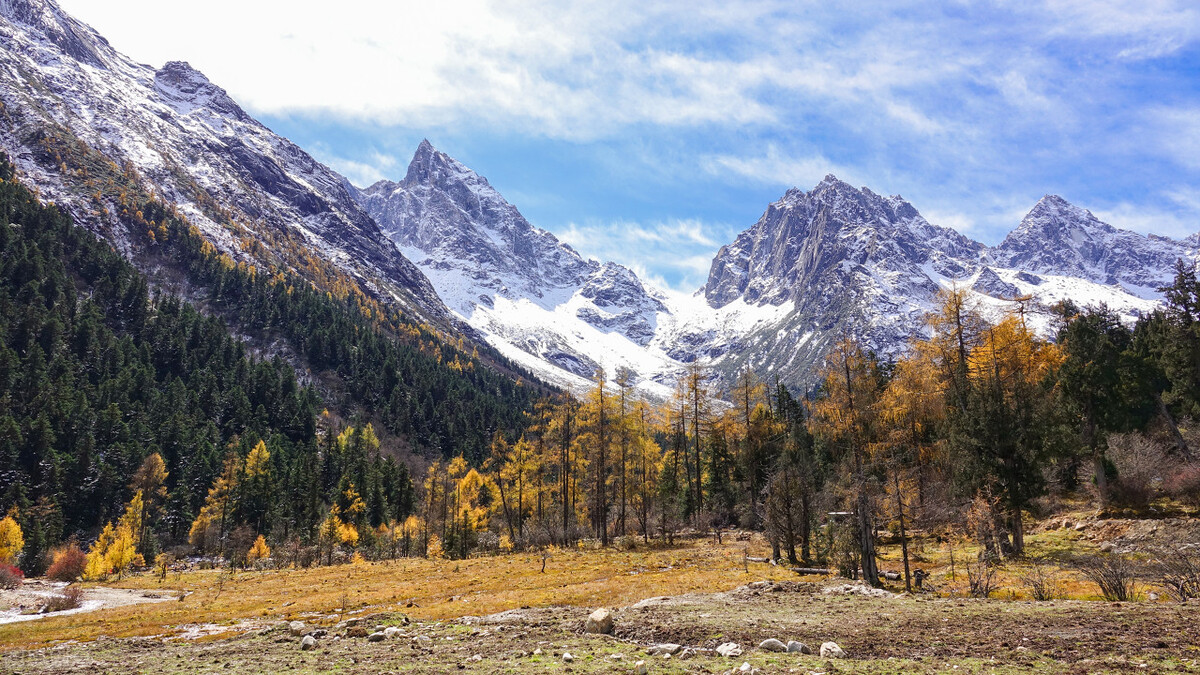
(103, 387)
(960, 436)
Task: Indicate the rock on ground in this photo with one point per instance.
(376, 637)
(729, 649)
(831, 650)
(664, 648)
(308, 643)
(600, 621)
(296, 628)
(772, 645)
(641, 668)
(798, 647)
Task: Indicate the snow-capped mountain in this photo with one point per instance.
(77, 113)
(82, 122)
(533, 297)
(1056, 237)
(817, 266)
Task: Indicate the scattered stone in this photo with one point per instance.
(746, 667)
(391, 631)
(1108, 547)
(423, 640)
(476, 657)
(600, 621)
(376, 637)
(831, 650)
(616, 657)
(640, 668)
(664, 648)
(319, 633)
(296, 628)
(729, 650)
(858, 589)
(1081, 526)
(567, 657)
(772, 645)
(308, 643)
(537, 652)
(798, 647)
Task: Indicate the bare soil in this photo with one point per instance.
(880, 635)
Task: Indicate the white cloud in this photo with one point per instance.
(675, 254)
(774, 167)
(1175, 133)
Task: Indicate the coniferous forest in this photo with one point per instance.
(136, 426)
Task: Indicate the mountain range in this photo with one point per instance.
(84, 123)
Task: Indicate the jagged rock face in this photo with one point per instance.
(186, 139)
(989, 283)
(1058, 238)
(852, 262)
(453, 217)
(514, 282)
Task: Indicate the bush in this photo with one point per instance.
(1116, 575)
(68, 563)
(981, 577)
(69, 598)
(1043, 582)
(10, 576)
(1178, 570)
(1184, 485)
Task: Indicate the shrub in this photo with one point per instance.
(1178, 570)
(1043, 582)
(69, 598)
(1184, 484)
(981, 577)
(10, 576)
(68, 563)
(1116, 575)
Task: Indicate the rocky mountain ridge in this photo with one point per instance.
(255, 195)
(818, 265)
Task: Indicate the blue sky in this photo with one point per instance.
(651, 134)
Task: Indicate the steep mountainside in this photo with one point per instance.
(79, 118)
(1057, 237)
(817, 266)
(533, 297)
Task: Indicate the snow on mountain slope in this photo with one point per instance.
(533, 297)
(817, 266)
(62, 84)
(1056, 237)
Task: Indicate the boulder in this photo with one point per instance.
(831, 650)
(567, 657)
(664, 648)
(772, 645)
(729, 649)
(308, 642)
(599, 621)
(296, 628)
(377, 636)
(391, 631)
(798, 647)
(640, 668)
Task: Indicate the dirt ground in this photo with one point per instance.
(902, 634)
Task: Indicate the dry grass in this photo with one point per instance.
(439, 589)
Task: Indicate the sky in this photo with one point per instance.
(652, 133)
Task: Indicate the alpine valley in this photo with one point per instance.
(445, 247)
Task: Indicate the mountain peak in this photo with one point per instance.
(430, 165)
(186, 89)
(45, 17)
